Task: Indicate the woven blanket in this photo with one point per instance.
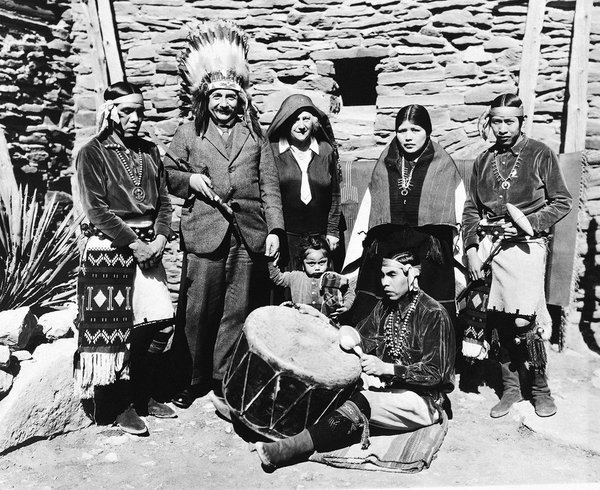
(408, 452)
(106, 281)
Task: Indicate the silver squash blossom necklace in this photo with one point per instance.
(404, 182)
(136, 177)
(505, 181)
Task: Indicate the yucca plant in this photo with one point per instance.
(38, 251)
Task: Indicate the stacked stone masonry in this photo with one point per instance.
(36, 91)
(453, 56)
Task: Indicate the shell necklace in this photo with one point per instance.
(505, 181)
(395, 330)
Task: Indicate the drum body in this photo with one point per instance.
(287, 371)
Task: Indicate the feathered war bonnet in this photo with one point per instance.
(216, 58)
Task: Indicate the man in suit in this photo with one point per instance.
(221, 154)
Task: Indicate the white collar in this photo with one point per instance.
(284, 145)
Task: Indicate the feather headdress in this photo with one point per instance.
(216, 58)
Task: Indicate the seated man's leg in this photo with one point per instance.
(339, 429)
(397, 409)
(401, 410)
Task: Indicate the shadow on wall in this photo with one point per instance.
(588, 282)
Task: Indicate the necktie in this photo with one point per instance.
(303, 158)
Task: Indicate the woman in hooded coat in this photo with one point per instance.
(307, 160)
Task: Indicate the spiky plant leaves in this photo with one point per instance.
(38, 252)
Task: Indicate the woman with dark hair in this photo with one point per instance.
(413, 183)
(307, 161)
(520, 172)
(125, 311)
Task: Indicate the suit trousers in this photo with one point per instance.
(213, 305)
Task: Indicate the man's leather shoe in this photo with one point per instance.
(184, 398)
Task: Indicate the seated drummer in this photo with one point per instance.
(408, 363)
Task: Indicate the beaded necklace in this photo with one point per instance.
(395, 330)
(135, 175)
(505, 181)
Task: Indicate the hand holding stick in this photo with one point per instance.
(207, 189)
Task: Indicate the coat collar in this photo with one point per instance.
(515, 149)
(285, 145)
(240, 135)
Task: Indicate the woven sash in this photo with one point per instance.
(105, 289)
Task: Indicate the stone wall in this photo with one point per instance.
(36, 85)
(451, 56)
(360, 60)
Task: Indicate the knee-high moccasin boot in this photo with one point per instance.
(276, 454)
(511, 393)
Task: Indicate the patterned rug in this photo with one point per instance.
(408, 452)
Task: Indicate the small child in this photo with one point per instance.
(317, 286)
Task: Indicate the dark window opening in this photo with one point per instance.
(357, 80)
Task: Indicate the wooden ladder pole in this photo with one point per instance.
(99, 68)
(108, 30)
(577, 105)
(530, 59)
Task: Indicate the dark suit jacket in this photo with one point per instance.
(248, 167)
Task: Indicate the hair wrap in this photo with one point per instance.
(108, 110)
(506, 111)
(412, 272)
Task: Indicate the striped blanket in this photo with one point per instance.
(408, 452)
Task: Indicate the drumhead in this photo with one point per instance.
(301, 344)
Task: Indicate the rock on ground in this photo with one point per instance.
(4, 356)
(16, 327)
(6, 381)
(42, 402)
(58, 324)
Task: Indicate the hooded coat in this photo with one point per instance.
(321, 216)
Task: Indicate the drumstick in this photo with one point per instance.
(349, 339)
(519, 218)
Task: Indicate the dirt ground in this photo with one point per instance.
(200, 450)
